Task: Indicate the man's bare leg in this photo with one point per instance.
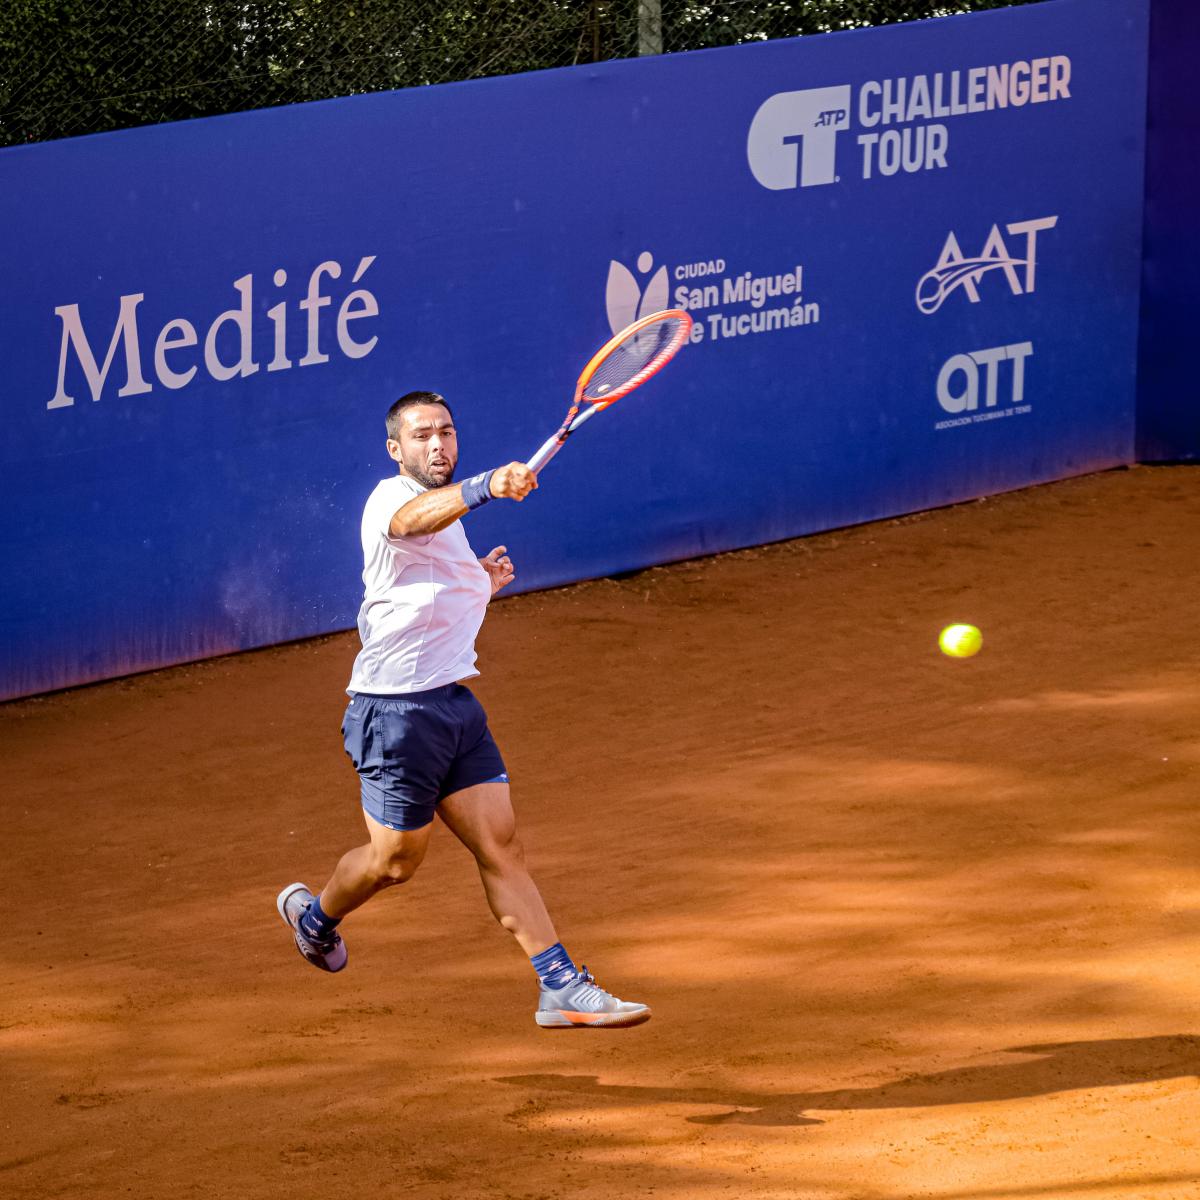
(392, 856)
(482, 818)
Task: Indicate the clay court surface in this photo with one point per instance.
(911, 927)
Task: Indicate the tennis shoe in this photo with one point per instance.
(582, 1003)
(326, 954)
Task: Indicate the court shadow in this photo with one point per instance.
(1042, 1070)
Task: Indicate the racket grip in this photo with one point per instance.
(545, 453)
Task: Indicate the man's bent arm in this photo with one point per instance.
(430, 512)
(438, 508)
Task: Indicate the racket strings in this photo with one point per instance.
(620, 365)
(637, 356)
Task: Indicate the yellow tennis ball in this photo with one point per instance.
(960, 641)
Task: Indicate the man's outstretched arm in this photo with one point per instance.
(434, 510)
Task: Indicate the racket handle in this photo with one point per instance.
(547, 451)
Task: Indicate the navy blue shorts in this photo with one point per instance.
(412, 751)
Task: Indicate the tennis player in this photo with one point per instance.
(418, 738)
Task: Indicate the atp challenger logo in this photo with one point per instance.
(723, 304)
(793, 138)
(786, 122)
(954, 271)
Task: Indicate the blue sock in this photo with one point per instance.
(554, 967)
(317, 923)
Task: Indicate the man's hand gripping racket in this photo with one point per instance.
(623, 363)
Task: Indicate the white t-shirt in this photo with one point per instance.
(424, 601)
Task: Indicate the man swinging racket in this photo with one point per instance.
(419, 739)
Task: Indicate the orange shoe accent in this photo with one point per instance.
(578, 1018)
(602, 1020)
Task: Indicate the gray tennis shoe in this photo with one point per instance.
(582, 1003)
(328, 954)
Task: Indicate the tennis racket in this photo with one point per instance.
(623, 363)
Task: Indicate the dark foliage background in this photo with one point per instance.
(80, 66)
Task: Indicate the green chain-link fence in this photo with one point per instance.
(81, 66)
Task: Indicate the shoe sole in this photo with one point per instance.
(281, 906)
(559, 1018)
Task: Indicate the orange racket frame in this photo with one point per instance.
(574, 417)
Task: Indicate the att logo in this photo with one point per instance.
(794, 135)
(966, 399)
(954, 270)
(628, 298)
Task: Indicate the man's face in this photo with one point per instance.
(428, 445)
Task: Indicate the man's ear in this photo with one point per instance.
(393, 449)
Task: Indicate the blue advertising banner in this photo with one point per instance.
(912, 255)
(1168, 393)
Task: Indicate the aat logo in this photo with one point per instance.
(956, 271)
(631, 296)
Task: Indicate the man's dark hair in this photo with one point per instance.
(407, 401)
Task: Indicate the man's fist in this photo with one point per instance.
(513, 482)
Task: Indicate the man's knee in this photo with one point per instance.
(501, 851)
(391, 869)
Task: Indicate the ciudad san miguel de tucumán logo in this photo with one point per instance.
(724, 304)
